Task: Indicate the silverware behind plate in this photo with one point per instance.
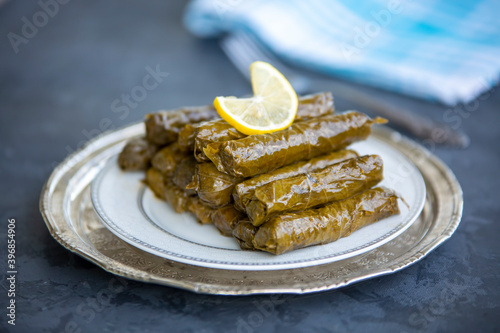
(243, 49)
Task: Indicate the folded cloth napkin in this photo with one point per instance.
(434, 49)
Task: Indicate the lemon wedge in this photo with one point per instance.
(272, 108)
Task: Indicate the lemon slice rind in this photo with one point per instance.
(272, 108)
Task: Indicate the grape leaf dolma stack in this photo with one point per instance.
(273, 192)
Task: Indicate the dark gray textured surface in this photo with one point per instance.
(61, 85)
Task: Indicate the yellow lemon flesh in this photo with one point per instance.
(272, 108)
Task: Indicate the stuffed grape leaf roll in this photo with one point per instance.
(258, 154)
(226, 218)
(327, 224)
(314, 105)
(162, 128)
(176, 197)
(213, 131)
(335, 182)
(244, 191)
(200, 210)
(167, 159)
(219, 130)
(244, 232)
(156, 181)
(137, 155)
(184, 174)
(186, 138)
(213, 186)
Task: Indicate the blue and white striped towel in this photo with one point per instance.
(434, 49)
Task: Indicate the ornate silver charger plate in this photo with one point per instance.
(68, 211)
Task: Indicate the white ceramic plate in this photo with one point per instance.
(132, 212)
